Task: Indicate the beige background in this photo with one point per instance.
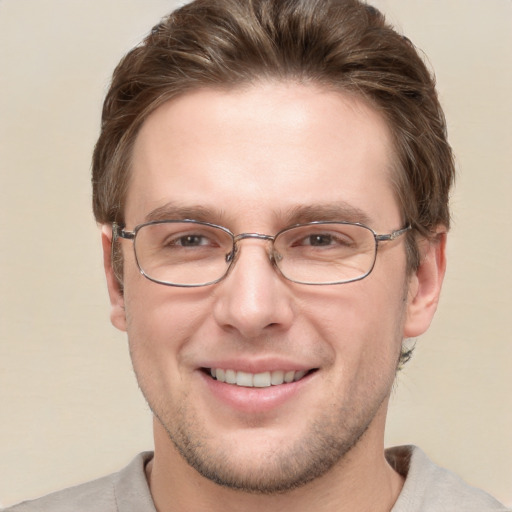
(70, 409)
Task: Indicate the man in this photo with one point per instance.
(272, 182)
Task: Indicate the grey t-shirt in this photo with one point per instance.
(427, 488)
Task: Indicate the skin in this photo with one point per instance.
(250, 158)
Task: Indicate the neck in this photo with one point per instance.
(362, 481)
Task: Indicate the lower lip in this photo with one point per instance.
(254, 400)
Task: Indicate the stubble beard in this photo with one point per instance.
(325, 444)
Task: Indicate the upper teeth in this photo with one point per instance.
(256, 380)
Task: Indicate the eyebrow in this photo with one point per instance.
(338, 211)
(175, 211)
(300, 214)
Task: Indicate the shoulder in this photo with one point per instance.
(124, 491)
(430, 488)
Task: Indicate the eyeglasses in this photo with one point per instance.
(191, 253)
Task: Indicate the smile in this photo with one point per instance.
(257, 380)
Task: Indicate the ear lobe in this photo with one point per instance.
(115, 292)
(425, 285)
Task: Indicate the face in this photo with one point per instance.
(257, 160)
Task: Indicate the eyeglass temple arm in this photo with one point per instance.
(118, 232)
(393, 235)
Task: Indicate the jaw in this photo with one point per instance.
(256, 487)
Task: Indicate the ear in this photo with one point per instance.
(115, 292)
(425, 285)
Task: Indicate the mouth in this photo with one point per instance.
(257, 380)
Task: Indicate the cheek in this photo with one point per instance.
(160, 319)
(160, 327)
(361, 321)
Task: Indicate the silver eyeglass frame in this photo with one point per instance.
(231, 257)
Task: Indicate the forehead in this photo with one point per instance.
(270, 147)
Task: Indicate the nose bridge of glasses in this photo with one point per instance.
(255, 236)
(259, 236)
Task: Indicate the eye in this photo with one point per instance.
(192, 240)
(336, 239)
(319, 240)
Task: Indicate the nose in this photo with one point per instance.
(254, 299)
